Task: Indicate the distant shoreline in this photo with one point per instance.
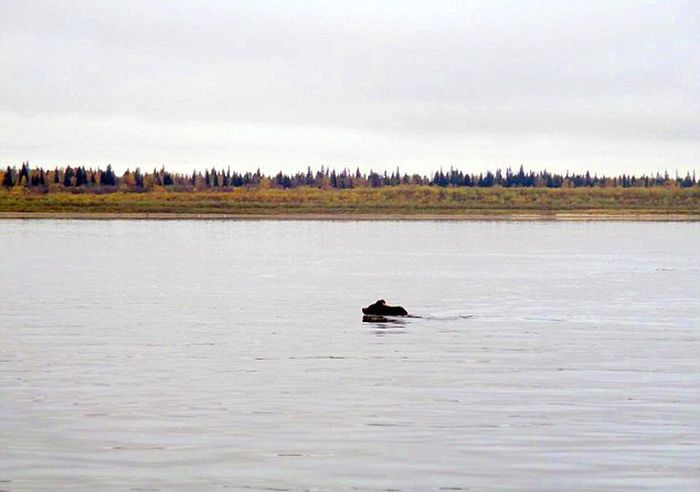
(508, 216)
(388, 203)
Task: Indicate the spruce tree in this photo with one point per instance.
(67, 175)
(7, 178)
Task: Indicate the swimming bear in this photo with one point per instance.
(380, 308)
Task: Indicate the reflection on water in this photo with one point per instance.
(383, 320)
(205, 355)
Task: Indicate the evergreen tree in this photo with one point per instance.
(79, 176)
(108, 178)
(67, 177)
(7, 178)
(23, 174)
(687, 181)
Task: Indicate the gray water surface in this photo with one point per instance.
(192, 355)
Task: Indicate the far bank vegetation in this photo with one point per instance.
(77, 189)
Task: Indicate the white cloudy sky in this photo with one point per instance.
(610, 86)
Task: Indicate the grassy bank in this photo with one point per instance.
(399, 200)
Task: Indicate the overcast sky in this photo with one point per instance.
(609, 86)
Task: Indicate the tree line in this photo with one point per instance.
(79, 178)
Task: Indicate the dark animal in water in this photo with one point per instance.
(380, 308)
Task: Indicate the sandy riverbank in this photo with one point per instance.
(499, 216)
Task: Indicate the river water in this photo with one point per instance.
(195, 355)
